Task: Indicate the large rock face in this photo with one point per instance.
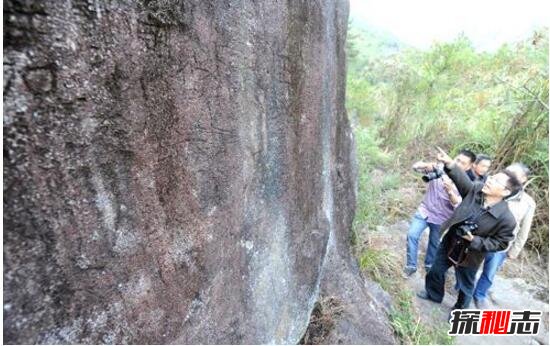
(176, 171)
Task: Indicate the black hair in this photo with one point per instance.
(513, 183)
(468, 153)
(481, 157)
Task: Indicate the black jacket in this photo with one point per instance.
(495, 226)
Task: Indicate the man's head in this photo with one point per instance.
(482, 164)
(502, 184)
(520, 170)
(465, 159)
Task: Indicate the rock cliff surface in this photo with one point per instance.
(178, 172)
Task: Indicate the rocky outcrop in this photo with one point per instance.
(176, 171)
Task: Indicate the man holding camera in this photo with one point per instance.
(481, 223)
(522, 207)
(437, 206)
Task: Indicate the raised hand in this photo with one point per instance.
(442, 156)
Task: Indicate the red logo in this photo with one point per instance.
(497, 322)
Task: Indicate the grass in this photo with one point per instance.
(383, 267)
(376, 177)
(409, 328)
(380, 202)
(380, 266)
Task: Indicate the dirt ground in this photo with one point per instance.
(520, 285)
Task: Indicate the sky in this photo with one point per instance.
(488, 23)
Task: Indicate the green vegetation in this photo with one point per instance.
(403, 104)
(382, 266)
(379, 265)
(454, 97)
(371, 199)
(411, 330)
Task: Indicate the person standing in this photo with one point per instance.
(481, 223)
(437, 206)
(480, 168)
(522, 207)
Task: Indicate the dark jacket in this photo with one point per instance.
(475, 177)
(495, 226)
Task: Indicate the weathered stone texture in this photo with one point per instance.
(174, 171)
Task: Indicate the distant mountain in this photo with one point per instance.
(374, 40)
(366, 43)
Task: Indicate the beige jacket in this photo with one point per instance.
(522, 207)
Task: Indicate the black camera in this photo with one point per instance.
(459, 246)
(465, 227)
(435, 174)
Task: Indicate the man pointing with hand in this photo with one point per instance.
(481, 223)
